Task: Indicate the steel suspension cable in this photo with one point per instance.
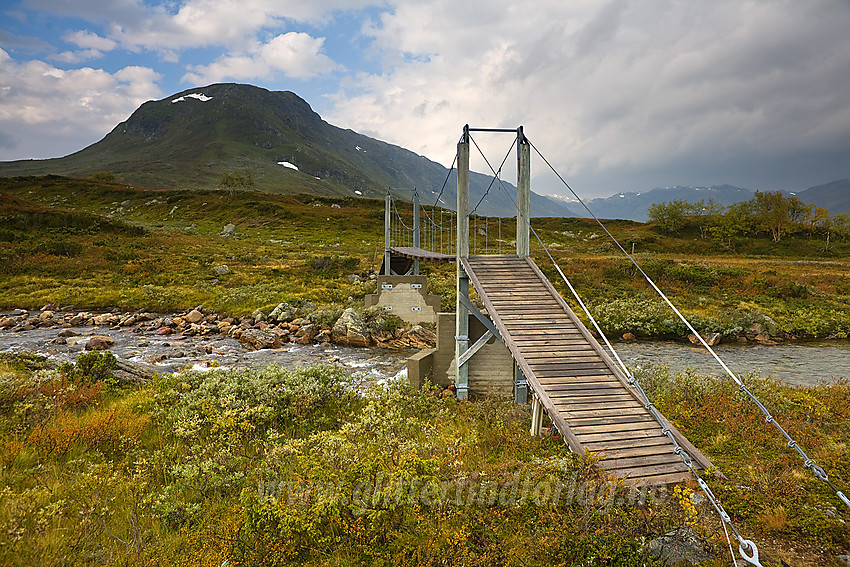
(448, 175)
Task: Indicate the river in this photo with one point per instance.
(801, 363)
(798, 362)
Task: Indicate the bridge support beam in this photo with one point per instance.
(388, 271)
(462, 313)
(536, 416)
(523, 197)
(416, 227)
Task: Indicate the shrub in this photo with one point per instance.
(91, 368)
(103, 429)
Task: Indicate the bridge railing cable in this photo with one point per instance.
(747, 548)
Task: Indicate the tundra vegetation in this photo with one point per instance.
(279, 466)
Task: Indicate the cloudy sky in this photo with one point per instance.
(621, 95)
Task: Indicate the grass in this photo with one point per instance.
(274, 467)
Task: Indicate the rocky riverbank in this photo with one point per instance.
(300, 324)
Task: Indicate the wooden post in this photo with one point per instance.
(523, 197)
(388, 271)
(416, 228)
(462, 313)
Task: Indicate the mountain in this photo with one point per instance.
(203, 136)
(635, 205)
(834, 197)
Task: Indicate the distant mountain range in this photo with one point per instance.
(635, 205)
(192, 139)
(835, 197)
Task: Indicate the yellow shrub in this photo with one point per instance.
(100, 428)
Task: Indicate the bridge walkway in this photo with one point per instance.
(585, 394)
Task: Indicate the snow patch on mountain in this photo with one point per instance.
(200, 96)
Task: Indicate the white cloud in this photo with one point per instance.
(623, 86)
(295, 54)
(88, 40)
(59, 109)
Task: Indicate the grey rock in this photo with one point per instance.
(682, 546)
(256, 339)
(228, 230)
(222, 270)
(258, 316)
(350, 329)
(353, 278)
(283, 313)
(843, 559)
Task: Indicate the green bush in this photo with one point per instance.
(91, 368)
(640, 316)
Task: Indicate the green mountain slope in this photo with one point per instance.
(195, 138)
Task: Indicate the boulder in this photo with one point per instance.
(629, 336)
(283, 313)
(79, 319)
(68, 333)
(193, 316)
(350, 329)
(255, 339)
(222, 270)
(682, 546)
(228, 230)
(100, 342)
(7, 323)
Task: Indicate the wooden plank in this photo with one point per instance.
(568, 398)
(638, 472)
(596, 406)
(624, 456)
(565, 366)
(580, 374)
(641, 451)
(614, 427)
(568, 414)
(589, 380)
(661, 479)
(594, 388)
(614, 444)
(611, 420)
(641, 461)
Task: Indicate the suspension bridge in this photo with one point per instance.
(588, 393)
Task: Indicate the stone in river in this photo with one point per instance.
(194, 316)
(99, 342)
(256, 339)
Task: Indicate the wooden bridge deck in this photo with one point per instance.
(420, 254)
(585, 394)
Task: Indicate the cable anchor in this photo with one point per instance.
(746, 546)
